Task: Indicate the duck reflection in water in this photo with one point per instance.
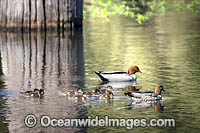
(118, 85)
(159, 108)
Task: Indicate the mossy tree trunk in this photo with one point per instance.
(40, 14)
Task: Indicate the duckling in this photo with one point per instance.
(104, 89)
(81, 97)
(132, 89)
(35, 93)
(120, 76)
(108, 95)
(40, 94)
(28, 93)
(92, 93)
(146, 95)
(79, 90)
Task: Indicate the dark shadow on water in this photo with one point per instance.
(43, 56)
(3, 125)
(50, 61)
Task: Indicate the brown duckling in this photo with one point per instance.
(35, 93)
(80, 97)
(92, 93)
(108, 95)
(102, 90)
(79, 90)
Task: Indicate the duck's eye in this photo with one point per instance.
(42, 92)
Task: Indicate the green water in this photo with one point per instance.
(166, 49)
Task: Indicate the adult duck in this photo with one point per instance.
(119, 75)
(146, 95)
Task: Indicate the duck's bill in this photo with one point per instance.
(162, 88)
(140, 71)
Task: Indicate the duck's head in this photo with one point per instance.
(159, 89)
(35, 90)
(79, 90)
(38, 93)
(81, 97)
(84, 95)
(109, 88)
(41, 91)
(133, 69)
(109, 94)
(97, 91)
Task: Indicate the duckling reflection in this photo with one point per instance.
(36, 93)
(146, 104)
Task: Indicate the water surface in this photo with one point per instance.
(165, 48)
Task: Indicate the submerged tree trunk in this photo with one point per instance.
(40, 14)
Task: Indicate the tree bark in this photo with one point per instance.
(40, 14)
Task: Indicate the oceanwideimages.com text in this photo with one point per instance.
(128, 123)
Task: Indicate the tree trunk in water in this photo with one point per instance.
(40, 14)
